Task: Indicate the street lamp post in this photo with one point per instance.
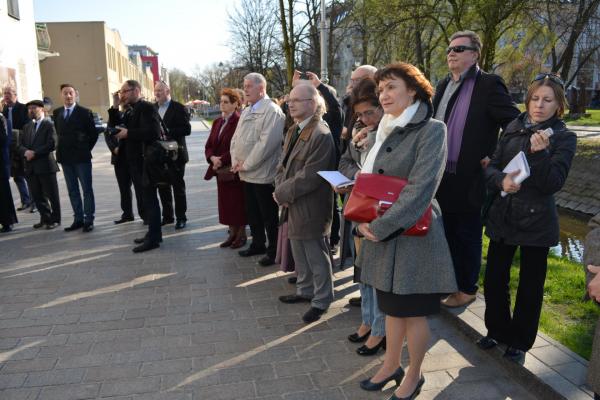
(324, 72)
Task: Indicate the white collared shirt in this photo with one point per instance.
(162, 108)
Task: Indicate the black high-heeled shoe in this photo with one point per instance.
(414, 394)
(372, 387)
(354, 338)
(365, 350)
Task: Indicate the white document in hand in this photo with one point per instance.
(519, 162)
(336, 179)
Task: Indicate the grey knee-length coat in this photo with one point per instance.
(410, 264)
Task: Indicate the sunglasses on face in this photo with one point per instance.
(552, 76)
(460, 49)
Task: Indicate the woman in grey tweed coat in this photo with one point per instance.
(410, 273)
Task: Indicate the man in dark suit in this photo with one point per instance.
(77, 137)
(16, 117)
(37, 145)
(474, 105)
(118, 158)
(142, 129)
(176, 124)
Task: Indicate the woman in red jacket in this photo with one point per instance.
(230, 189)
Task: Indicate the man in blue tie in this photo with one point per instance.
(16, 117)
(76, 138)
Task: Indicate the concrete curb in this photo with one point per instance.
(550, 371)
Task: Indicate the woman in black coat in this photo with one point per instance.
(525, 215)
(8, 216)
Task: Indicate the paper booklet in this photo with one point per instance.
(519, 162)
(336, 179)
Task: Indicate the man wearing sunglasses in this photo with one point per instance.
(474, 105)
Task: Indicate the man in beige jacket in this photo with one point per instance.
(255, 151)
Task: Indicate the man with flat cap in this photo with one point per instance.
(36, 145)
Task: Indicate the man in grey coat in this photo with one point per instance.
(307, 199)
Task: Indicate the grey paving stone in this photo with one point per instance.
(70, 392)
(111, 372)
(130, 386)
(19, 394)
(8, 381)
(166, 367)
(56, 377)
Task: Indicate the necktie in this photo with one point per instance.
(67, 114)
(9, 124)
(293, 141)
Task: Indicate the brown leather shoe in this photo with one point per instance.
(458, 299)
(239, 242)
(227, 243)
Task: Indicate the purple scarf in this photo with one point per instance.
(457, 120)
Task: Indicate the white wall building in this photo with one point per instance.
(19, 63)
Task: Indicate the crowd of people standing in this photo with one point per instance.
(265, 156)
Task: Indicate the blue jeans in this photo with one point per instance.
(75, 174)
(23, 190)
(371, 315)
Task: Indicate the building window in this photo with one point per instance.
(13, 9)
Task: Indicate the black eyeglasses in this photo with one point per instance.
(552, 76)
(460, 49)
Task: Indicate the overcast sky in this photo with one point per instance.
(185, 33)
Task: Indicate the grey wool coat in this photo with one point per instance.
(309, 197)
(411, 264)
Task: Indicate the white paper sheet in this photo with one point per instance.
(336, 179)
(519, 162)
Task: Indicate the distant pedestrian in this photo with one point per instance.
(36, 146)
(176, 123)
(77, 137)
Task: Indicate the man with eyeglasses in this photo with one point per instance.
(306, 199)
(142, 130)
(176, 124)
(474, 105)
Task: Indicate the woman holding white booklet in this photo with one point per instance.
(526, 216)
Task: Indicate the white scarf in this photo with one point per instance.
(386, 126)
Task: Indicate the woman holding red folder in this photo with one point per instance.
(526, 217)
(409, 273)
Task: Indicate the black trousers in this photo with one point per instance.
(177, 183)
(520, 329)
(262, 213)
(334, 237)
(152, 213)
(463, 233)
(44, 190)
(124, 180)
(136, 172)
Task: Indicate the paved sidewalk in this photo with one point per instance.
(82, 317)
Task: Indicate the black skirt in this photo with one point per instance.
(408, 305)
